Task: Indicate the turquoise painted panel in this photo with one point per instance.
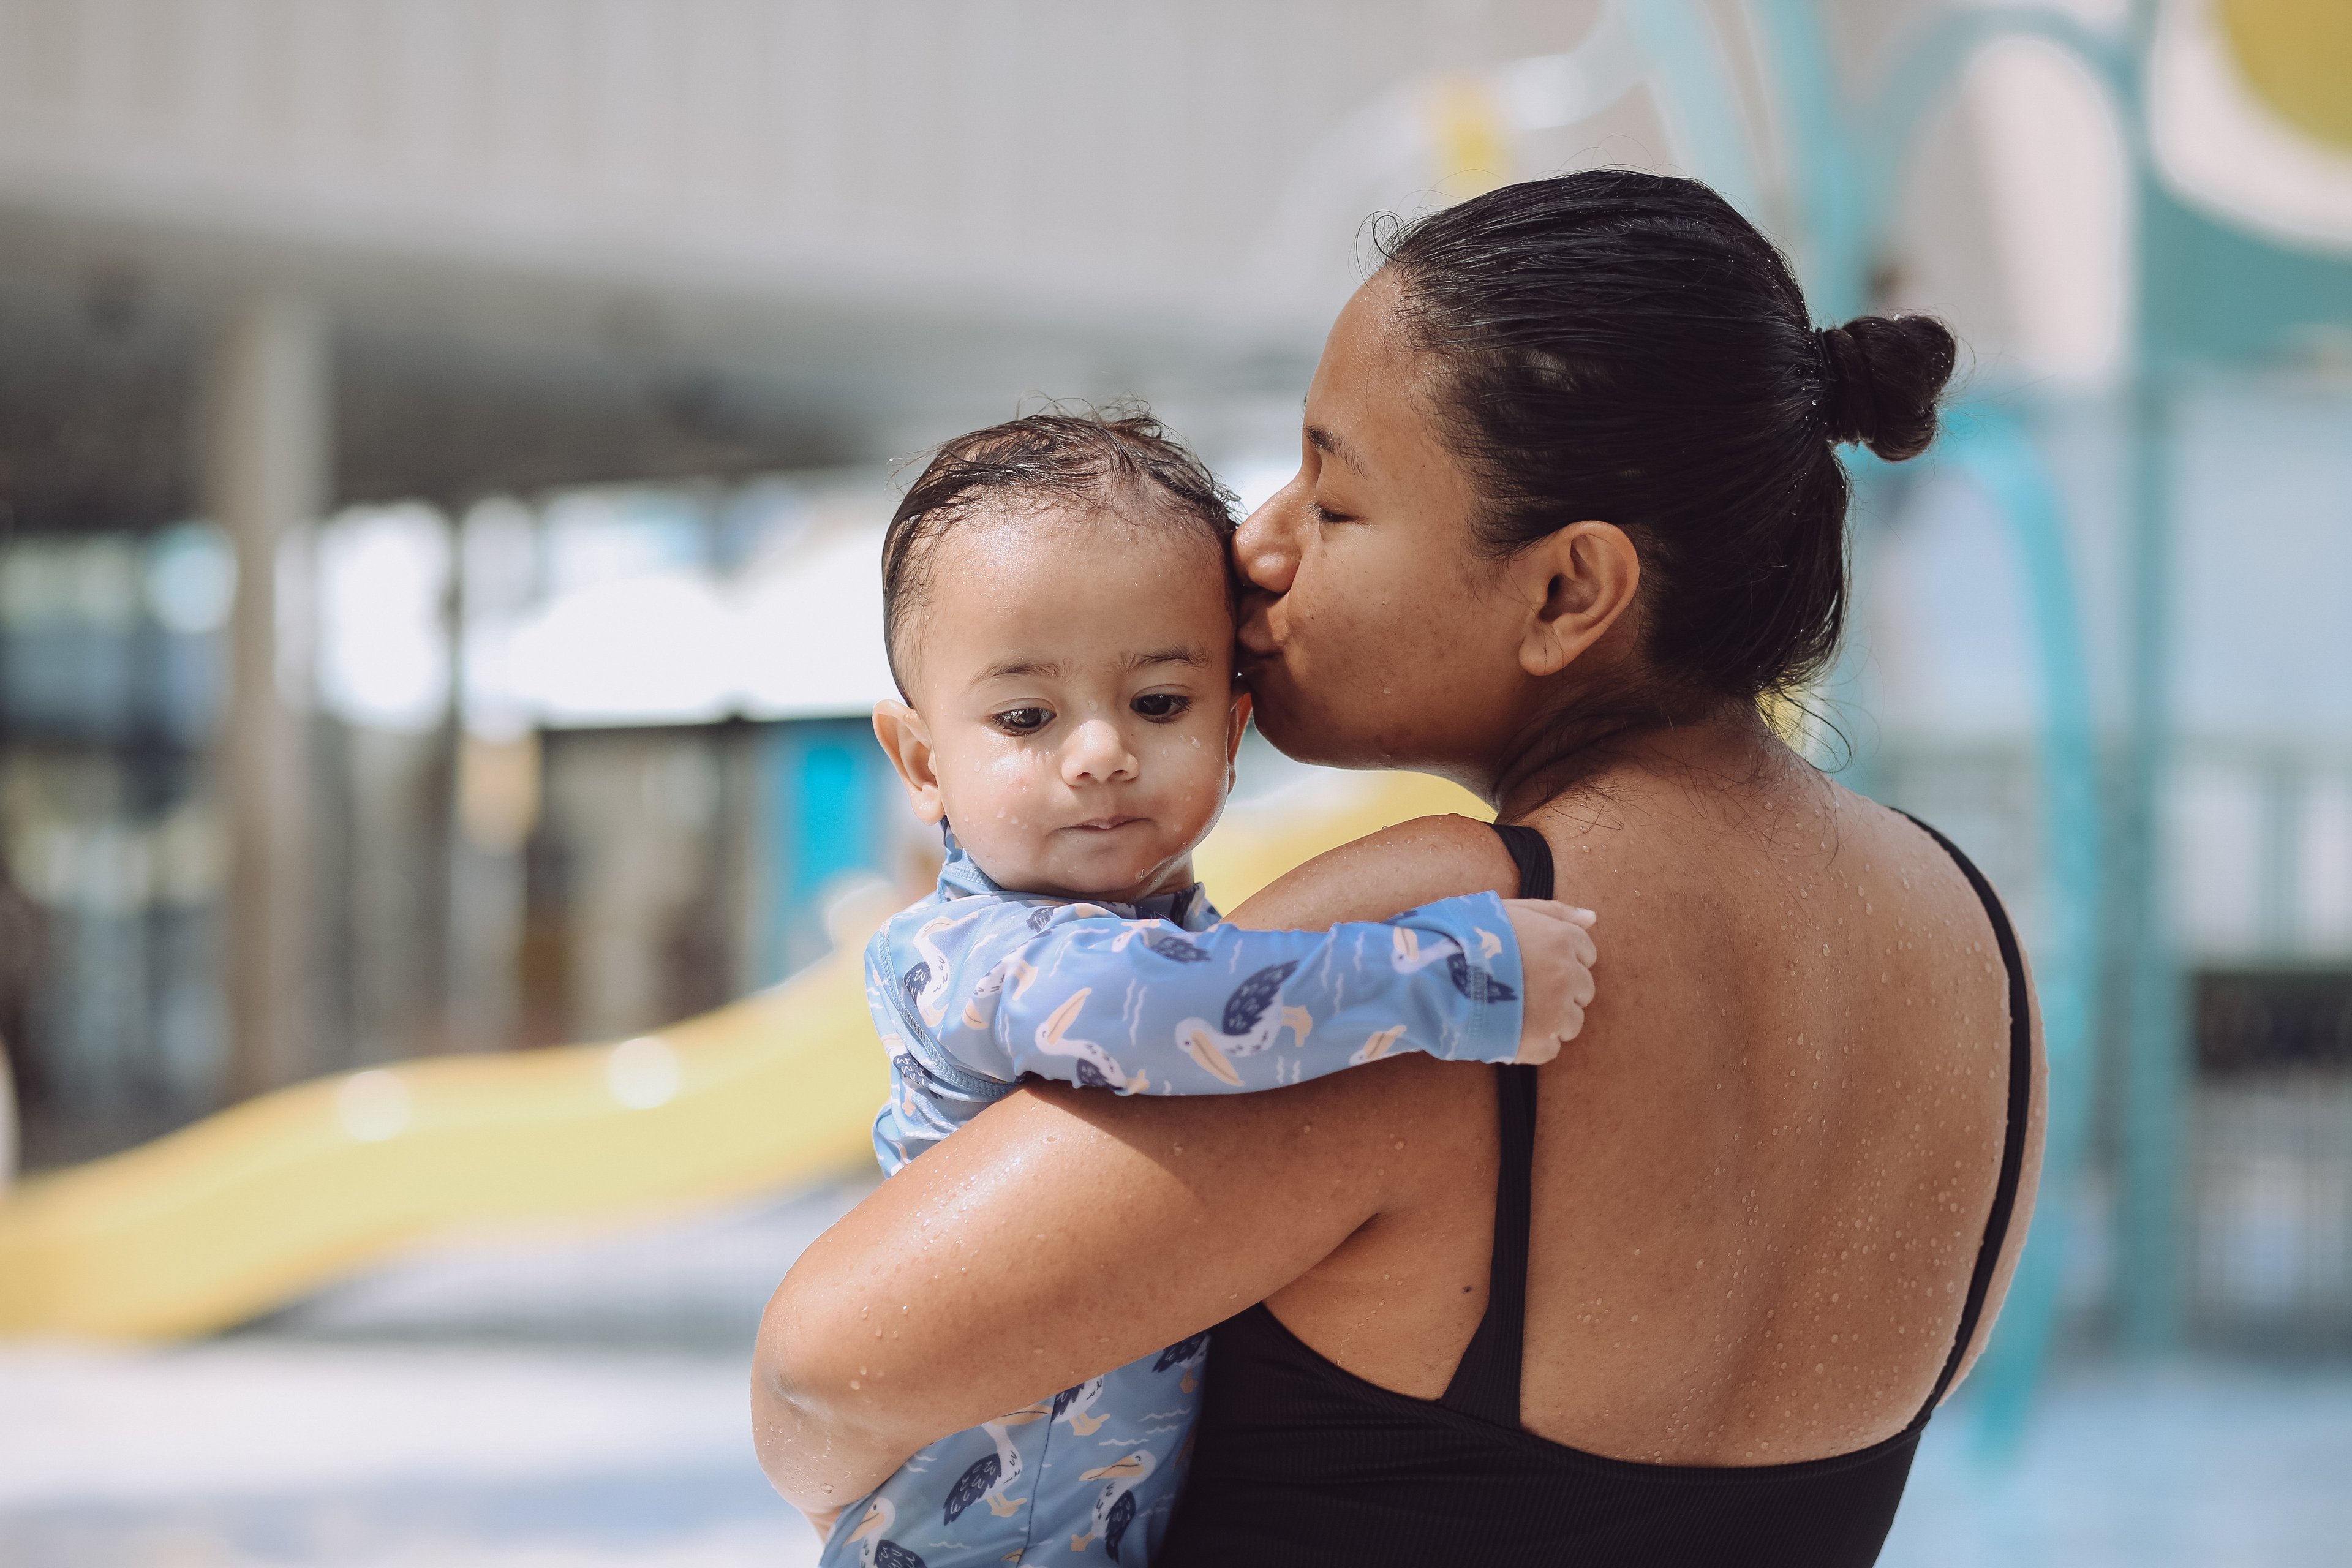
(2210, 292)
(821, 790)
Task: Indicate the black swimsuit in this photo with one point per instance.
(1302, 1462)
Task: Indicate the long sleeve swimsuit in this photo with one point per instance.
(974, 989)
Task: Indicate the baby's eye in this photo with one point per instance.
(1023, 720)
(1161, 706)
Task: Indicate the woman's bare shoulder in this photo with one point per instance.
(1385, 873)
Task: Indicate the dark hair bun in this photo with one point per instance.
(1884, 374)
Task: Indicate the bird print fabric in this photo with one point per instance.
(975, 988)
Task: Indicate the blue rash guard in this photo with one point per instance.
(976, 987)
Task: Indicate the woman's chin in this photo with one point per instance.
(1304, 734)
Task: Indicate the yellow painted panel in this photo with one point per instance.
(2296, 54)
(1258, 843)
(252, 1207)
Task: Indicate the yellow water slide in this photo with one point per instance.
(255, 1207)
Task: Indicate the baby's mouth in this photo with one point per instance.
(1105, 824)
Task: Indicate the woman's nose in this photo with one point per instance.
(1265, 546)
(1097, 752)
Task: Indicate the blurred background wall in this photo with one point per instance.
(443, 446)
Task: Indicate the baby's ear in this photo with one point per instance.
(908, 741)
(1237, 727)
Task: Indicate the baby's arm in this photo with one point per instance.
(1143, 1006)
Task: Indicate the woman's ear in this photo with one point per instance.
(1579, 580)
(907, 739)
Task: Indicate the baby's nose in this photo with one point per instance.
(1097, 750)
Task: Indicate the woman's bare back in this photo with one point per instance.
(1763, 1172)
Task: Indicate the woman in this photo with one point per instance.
(1567, 510)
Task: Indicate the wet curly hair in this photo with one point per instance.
(1109, 458)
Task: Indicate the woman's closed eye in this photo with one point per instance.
(1324, 514)
(1023, 721)
(1160, 707)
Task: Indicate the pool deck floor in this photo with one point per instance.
(580, 1402)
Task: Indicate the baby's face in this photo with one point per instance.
(1074, 717)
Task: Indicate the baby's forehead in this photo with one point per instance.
(1065, 590)
(1067, 541)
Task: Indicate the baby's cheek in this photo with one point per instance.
(1195, 774)
(1007, 785)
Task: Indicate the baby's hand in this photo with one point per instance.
(1556, 959)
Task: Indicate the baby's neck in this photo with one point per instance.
(1173, 877)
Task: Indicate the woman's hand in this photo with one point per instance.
(1556, 959)
(1062, 1233)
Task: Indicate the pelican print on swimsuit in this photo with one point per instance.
(1411, 955)
(875, 1548)
(992, 984)
(1254, 1017)
(975, 989)
(1076, 1406)
(1114, 1508)
(1155, 935)
(1096, 1070)
(927, 982)
(991, 1474)
(1188, 1354)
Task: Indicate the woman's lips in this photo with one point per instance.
(1255, 633)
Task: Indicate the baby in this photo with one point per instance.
(1060, 621)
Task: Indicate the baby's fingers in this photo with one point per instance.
(1550, 909)
(1537, 1049)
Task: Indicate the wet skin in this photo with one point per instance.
(1075, 719)
(1761, 1174)
(1073, 715)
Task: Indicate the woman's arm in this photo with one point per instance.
(1058, 1235)
(1062, 1234)
(1397, 868)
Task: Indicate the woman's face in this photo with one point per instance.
(1373, 633)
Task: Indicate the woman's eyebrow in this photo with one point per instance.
(1330, 443)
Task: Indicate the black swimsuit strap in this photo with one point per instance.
(1530, 851)
(1486, 1382)
(2020, 1109)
